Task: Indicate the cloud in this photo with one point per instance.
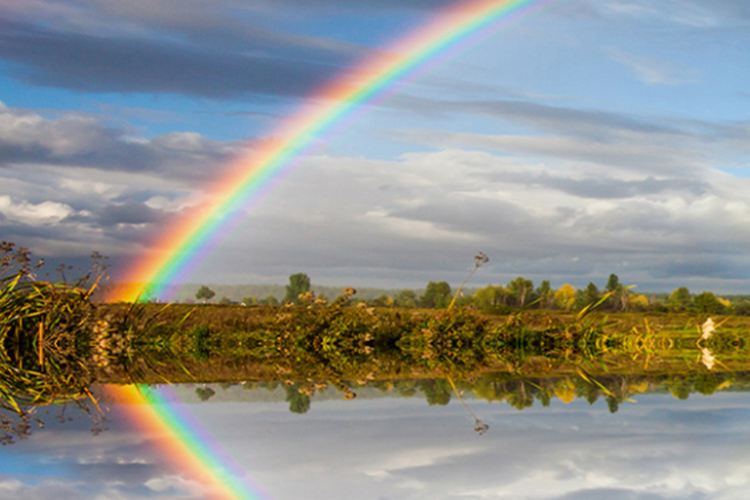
(618, 193)
(403, 448)
(565, 221)
(72, 183)
(129, 212)
(604, 139)
(78, 140)
(643, 153)
(99, 63)
(44, 213)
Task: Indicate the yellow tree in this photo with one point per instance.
(565, 297)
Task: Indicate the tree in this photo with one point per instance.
(298, 401)
(707, 302)
(204, 293)
(565, 296)
(204, 393)
(405, 298)
(588, 296)
(437, 391)
(613, 283)
(298, 284)
(544, 293)
(680, 299)
(436, 295)
(639, 303)
(490, 297)
(619, 295)
(382, 301)
(520, 290)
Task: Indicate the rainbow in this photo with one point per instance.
(192, 453)
(189, 238)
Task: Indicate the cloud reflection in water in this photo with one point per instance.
(658, 448)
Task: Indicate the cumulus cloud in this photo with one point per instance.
(80, 140)
(71, 183)
(565, 221)
(34, 214)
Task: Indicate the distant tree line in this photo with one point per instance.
(520, 293)
(519, 393)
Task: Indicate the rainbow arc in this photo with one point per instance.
(186, 240)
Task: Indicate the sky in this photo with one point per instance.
(658, 448)
(585, 138)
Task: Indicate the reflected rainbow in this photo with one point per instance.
(188, 238)
(194, 456)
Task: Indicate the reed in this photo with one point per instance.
(45, 334)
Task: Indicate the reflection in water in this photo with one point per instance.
(707, 358)
(366, 432)
(479, 426)
(382, 445)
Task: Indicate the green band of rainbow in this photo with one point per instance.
(182, 244)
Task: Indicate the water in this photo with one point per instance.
(383, 446)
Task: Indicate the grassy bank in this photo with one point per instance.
(55, 342)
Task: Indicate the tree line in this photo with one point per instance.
(521, 293)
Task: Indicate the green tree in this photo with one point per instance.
(520, 290)
(544, 293)
(298, 284)
(204, 293)
(204, 393)
(679, 387)
(521, 397)
(490, 297)
(405, 298)
(298, 402)
(226, 301)
(742, 308)
(436, 295)
(437, 391)
(613, 283)
(613, 403)
(588, 296)
(680, 299)
(382, 301)
(618, 298)
(707, 302)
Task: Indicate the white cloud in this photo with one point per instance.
(44, 213)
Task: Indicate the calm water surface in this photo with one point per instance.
(380, 446)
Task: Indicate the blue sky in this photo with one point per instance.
(587, 138)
